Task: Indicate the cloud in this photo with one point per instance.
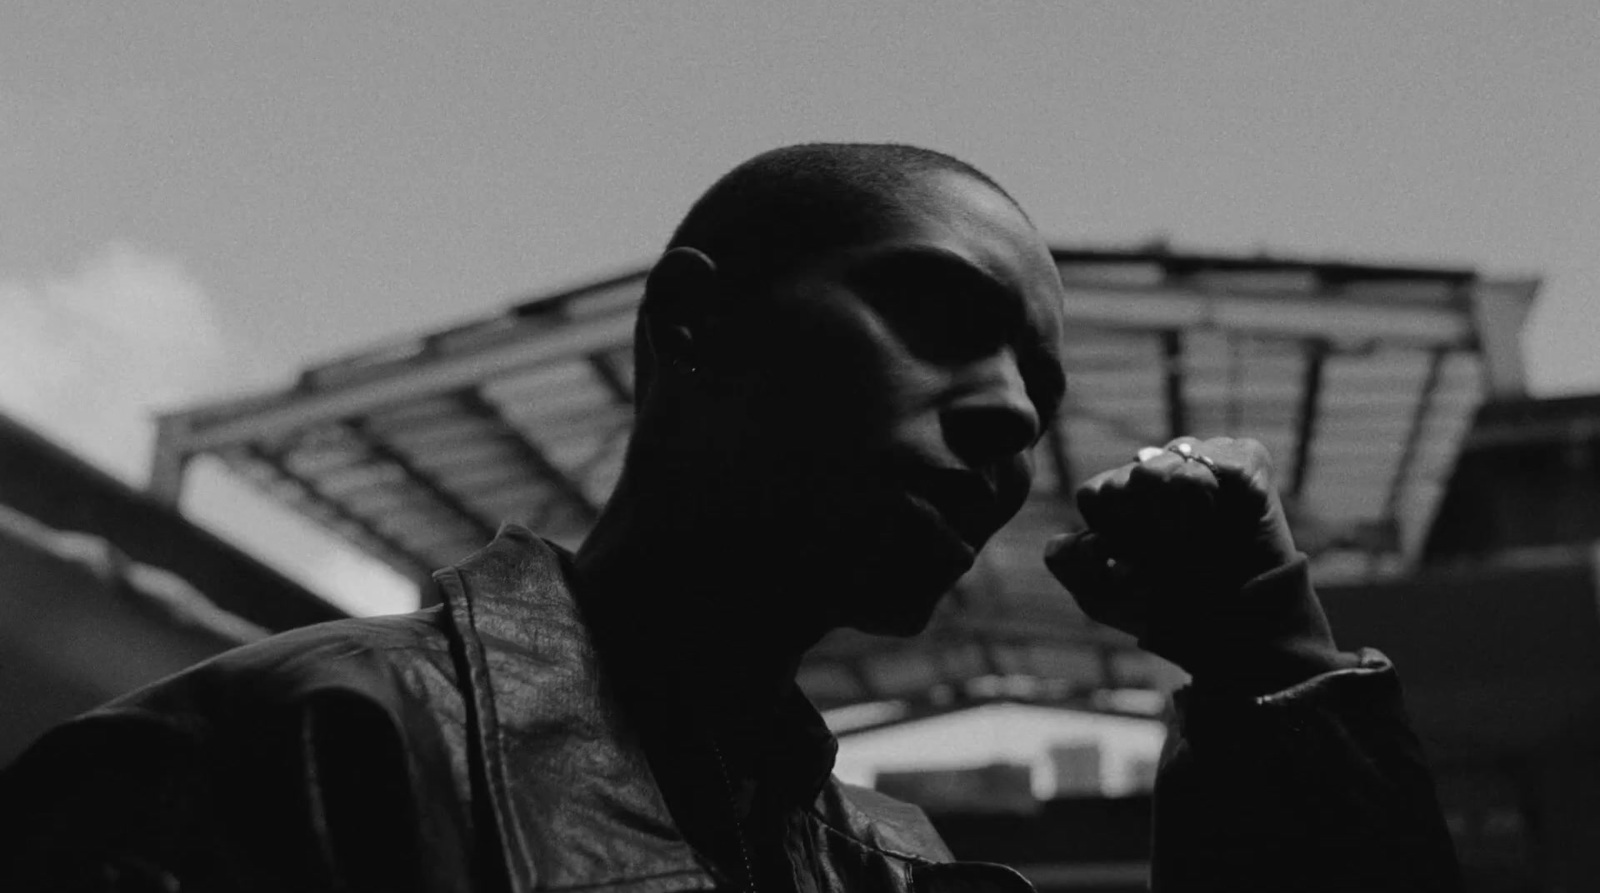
(90, 357)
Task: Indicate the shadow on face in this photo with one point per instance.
(869, 421)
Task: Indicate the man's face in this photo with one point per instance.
(900, 386)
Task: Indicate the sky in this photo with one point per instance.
(198, 200)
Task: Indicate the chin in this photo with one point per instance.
(901, 608)
(889, 569)
(903, 626)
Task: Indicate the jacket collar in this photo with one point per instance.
(574, 802)
(566, 794)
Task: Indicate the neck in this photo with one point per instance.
(688, 618)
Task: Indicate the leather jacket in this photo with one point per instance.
(467, 747)
(477, 746)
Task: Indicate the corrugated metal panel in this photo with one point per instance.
(1359, 379)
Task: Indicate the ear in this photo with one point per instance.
(680, 299)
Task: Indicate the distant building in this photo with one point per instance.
(995, 788)
(1079, 769)
(104, 589)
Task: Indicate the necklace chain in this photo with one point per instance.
(738, 826)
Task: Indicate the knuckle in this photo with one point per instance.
(1193, 480)
(1261, 456)
(1153, 475)
(1093, 485)
(1144, 472)
(1088, 493)
(1084, 496)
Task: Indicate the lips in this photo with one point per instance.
(963, 501)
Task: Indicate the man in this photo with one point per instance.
(845, 358)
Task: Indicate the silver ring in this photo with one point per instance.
(1186, 450)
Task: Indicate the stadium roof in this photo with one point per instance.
(1359, 378)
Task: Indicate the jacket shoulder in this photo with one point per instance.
(370, 665)
(369, 657)
(337, 641)
(277, 760)
(882, 822)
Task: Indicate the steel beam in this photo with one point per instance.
(1063, 628)
(606, 368)
(1408, 452)
(1160, 253)
(857, 671)
(920, 708)
(1499, 308)
(986, 653)
(421, 479)
(1061, 460)
(218, 426)
(394, 547)
(1288, 315)
(475, 403)
(613, 441)
(169, 462)
(1107, 659)
(1118, 426)
(1291, 315)
(1316, 354)
(1235, 414)
(1173, 384)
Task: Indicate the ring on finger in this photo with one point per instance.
(1186, 450)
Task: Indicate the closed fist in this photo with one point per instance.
(1173, 537)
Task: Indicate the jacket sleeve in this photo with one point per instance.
(302, 796)
(98, 804)
(1321, 786)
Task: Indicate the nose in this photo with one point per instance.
(992, 417)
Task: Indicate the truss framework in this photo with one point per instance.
(1359, 378)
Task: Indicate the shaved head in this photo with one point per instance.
(782, 207)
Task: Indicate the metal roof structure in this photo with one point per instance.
(1359, 378)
